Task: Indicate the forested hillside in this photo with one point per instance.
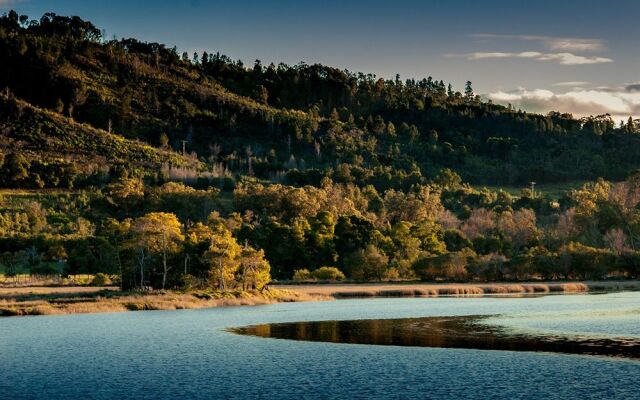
(198, 169)
(299, 123)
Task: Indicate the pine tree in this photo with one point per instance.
(468, 91)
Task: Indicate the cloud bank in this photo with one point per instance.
(572, 83)
(620, 103)
(563, 44)
(560, 50)
(560, 58)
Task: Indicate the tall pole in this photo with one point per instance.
(533, 190)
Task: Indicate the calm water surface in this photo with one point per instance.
(191, 354)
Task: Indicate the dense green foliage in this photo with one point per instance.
(199, 171)
(174, 235)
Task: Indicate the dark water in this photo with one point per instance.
(464, 332)
(191, 354)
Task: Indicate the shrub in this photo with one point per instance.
(328, 274)
(392, 274)
(301, 275)
(101, 279)
(450, 266)
(367, 264)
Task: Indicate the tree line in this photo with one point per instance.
(177, 236)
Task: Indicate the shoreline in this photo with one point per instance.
(26, 301)
(418, 289)
(55, 300)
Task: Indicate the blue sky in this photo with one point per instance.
(575, 56)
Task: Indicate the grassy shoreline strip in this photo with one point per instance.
(100, 302)
(79, 300)
(434, 290)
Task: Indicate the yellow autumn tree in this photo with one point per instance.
(223, 256)
(157, 233)
(254, 269)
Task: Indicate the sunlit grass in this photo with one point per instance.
(436, 290)
(79, 300)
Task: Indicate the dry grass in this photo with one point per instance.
(77, 300)
(47, 290)
(49, 301)
(435, 290)
(27, 280)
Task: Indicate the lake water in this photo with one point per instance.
(191, 353)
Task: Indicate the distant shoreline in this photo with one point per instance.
(53, 300)
(419, 289)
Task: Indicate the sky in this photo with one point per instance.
(571, 56)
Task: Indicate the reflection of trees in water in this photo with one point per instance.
(451, 332)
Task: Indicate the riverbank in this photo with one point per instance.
(49, 300)
(412, 289)
(78, 300)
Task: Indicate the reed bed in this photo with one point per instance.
(11, 291)
(79, 300)
(357, 290)
(62, 303)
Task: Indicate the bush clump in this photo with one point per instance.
(302, 275)
(101, 279)
(328, 274)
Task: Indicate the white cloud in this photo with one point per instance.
(560, 58)
(564, 44)
(572, 83)
(580, 102)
